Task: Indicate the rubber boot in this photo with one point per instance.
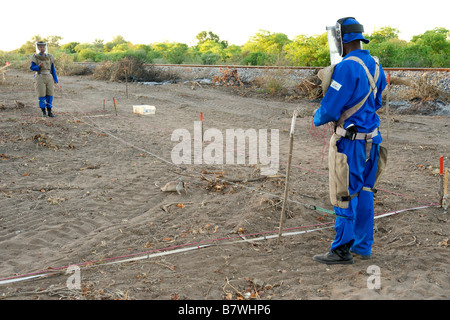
(49, 111)
(340, 255)
(49, 102)
(42, 105)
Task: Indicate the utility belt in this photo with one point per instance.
(43, 72)
(352, 134)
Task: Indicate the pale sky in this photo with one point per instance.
(146, 22)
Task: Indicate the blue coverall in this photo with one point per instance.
(349, 86)
(47, 101)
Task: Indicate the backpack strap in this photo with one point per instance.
(373, 88)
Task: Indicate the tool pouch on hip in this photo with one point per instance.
(382, 159)
(338, 174)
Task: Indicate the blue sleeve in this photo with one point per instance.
(337, 96)
(34, 66)
(53, 72)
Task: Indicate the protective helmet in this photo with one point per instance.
(346, 30)
(40, 44)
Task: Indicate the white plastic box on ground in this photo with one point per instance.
(144, 109)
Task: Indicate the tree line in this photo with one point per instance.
(428, 50)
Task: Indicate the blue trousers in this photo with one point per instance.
(46, 102)
(355, 224)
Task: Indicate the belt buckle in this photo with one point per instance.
(369, 136)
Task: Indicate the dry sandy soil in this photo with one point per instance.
(84, 189)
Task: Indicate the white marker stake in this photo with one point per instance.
(293, 122)
(288, 170)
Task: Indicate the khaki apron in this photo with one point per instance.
(339, 173)
(44, 80)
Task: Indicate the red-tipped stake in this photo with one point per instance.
(115, 105)
(201, 120)
(104, 106)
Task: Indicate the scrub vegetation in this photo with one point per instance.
(430, 49)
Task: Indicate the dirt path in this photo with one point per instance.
(85, 187)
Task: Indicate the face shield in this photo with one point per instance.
(41, 46)
(346, 30)
(334, 45)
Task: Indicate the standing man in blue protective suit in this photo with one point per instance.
(351, 101)
(43, 63)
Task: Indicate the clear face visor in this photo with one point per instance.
(40, 45)
(335, 44)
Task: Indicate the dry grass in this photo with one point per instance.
(424, 87)
(135, 71)
(273, 82)
(66, 67)
(228, 77)
(310, 88)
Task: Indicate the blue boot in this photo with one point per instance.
(49, 101)
(42, 105)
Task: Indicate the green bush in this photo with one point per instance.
(430, 49)
(258, 58)
(309, 51)
(176, 53)
(210, 58)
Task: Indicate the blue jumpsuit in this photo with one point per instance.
(349, 86)
(47, 101)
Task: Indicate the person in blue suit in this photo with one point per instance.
(351, 101)
(43, 64)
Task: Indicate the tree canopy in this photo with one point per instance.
(430, 49)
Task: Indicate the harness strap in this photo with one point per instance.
(373, 190)
(348, 198)
(373, 88)
(372, 80)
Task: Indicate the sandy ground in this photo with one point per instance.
(83, 188)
